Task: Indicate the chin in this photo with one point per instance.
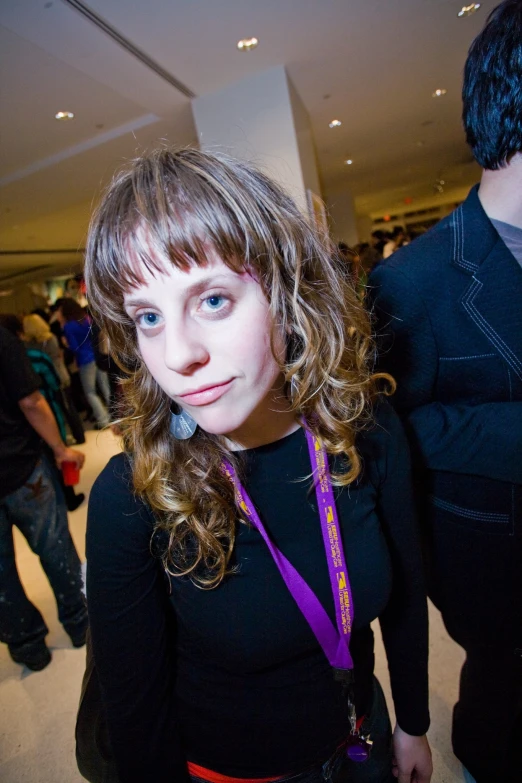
(221, 427)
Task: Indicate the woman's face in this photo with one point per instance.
(204, 335)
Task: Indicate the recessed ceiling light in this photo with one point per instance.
(247, 44)
(64, 115)
(335, 123)
(348, 162)
(467, 10)
(438, 93)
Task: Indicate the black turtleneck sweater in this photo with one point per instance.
(233, 678)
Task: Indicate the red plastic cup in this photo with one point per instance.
(70, 473)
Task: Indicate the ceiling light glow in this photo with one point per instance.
(335, 123)
(467, 10)
(247, 44)
(64, 115)
(439, 93)
(348, 162)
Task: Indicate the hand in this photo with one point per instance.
(63, 453)
(411, 757)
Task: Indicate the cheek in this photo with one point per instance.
(251, 342)
(152, 356)
(257, 355)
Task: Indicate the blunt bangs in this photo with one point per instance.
(179, 206)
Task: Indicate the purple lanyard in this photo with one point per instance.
(334, 641)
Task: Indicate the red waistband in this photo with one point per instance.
(210, 776)
(216, 777)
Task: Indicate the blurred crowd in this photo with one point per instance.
(69, 355)
(364, 257)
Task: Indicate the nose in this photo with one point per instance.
(185, 349)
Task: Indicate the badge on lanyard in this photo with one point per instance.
(335, 641)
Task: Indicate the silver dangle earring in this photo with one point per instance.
(182, 425)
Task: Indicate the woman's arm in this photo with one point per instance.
(131, 620)
(404, 622)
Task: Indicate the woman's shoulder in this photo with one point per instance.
(77, 327)
(114, 503)
(51, 344)
(116, 475)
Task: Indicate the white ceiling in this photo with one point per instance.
(371, 63)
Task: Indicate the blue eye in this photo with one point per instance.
(214, 302)
(148, 319)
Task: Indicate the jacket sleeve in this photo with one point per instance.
(483, 439)
(404, 622)
(130, 619)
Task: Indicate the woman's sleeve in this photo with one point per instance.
(404, 622)
(131, 619)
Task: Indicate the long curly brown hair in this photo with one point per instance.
(188, 200)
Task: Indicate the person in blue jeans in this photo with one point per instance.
(76, 325)
(32, 500)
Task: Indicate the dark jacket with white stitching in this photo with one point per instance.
(449, 318)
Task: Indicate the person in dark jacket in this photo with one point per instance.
(449, 313)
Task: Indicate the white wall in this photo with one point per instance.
(22, 300)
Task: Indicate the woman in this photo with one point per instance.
(246, 350)
(76, 327)
(37, 334)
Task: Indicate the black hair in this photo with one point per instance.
(56, 306)
(12, 323)
(492, 89)
(42, 313)
(71, 310)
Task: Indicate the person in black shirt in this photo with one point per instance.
(246, 349)
(31, 499)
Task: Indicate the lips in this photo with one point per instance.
(206, 394)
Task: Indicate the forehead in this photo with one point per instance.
(162, 275)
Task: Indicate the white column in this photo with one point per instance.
(262, 119)
(341, 216)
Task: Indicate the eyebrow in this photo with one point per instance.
(193, 290)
